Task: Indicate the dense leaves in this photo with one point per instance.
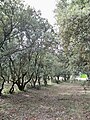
(73, 19)
(25, 39)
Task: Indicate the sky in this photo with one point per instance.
(46, 6)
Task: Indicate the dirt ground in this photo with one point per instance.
(57, 102)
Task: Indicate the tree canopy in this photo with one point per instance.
(26, 39)
(74, 29)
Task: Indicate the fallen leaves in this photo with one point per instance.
(61, 102)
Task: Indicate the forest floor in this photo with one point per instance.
(63, 101)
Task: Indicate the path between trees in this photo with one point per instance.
(57, 102)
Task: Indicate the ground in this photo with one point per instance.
(66, 101)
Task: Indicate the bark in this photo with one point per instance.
(2, 86)
(39, 81)
(21, 85)
(25, 83)
(45, 80)
(12, 88)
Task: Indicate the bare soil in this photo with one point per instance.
(65, 101)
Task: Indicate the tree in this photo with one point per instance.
(73, 21)
(8, 22)
(25, 38)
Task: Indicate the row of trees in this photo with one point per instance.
(73, 19)
(31, 51)
(27, 45)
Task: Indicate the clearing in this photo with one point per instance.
(65, 101)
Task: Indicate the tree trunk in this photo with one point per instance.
(34, 83)
(45, 80)
(65, 79)
(39, 84)
(2, 86)
(21, 88)
(39, 81)
(68, 77)
(57, 80)
(12, 88)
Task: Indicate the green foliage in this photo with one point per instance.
(83, 76)
(73, 21)
(25, 42)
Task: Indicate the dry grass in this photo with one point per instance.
(57, 102)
